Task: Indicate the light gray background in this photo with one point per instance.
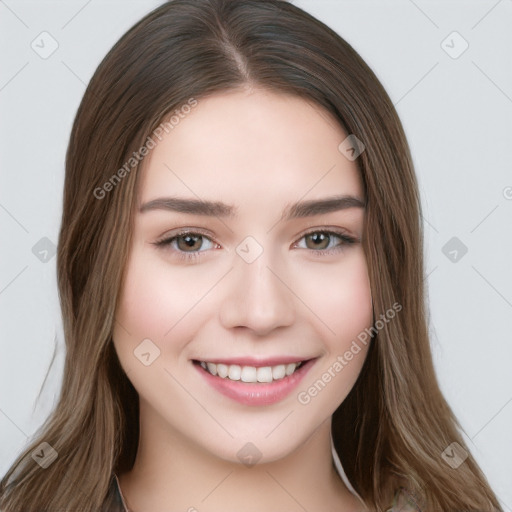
(457, 114)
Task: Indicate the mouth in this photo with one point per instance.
(258, 383)
(247, 373)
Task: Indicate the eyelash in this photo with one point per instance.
(192, 256)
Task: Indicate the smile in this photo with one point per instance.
(261, 384)
(251, 373)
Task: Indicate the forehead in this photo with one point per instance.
(249, 146)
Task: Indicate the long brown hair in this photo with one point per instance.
(395, 423)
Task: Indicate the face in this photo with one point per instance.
(267, 296)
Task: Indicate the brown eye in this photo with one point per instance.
(323, 242)
(187, 245)
(320, 240)
(188, 241)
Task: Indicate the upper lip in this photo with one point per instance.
(256, 362)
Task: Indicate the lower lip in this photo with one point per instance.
(250, 393)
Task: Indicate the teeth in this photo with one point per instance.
(290, 368)
(222, 370)
(234, 372)
(251, 373)
(264, 374)
(278, 372)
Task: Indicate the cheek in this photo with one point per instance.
(148, 307)
(344, 305)
(159, 303)
(340, 296)
(143, 302)
(154, 297)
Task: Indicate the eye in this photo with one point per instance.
(186, 245)
(322, 241)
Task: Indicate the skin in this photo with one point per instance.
(259, 151)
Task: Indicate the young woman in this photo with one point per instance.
(241, 278)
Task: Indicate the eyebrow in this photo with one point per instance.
(218, 209)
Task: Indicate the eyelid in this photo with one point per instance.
(343, 234)
(208, 234)
(330, 229)
(185, 231)
(166, 239)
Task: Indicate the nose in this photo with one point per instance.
(258, 296)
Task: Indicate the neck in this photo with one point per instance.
(170, 471)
